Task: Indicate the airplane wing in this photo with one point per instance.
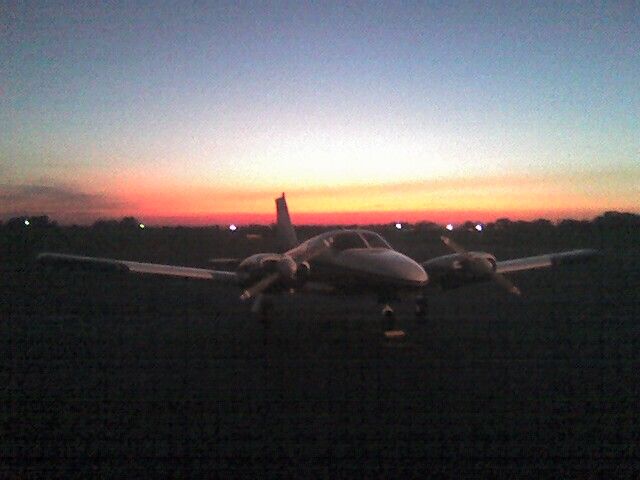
(227, 263)
(545, 261)
(126, 266)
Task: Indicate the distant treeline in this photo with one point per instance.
(22, 238)
(608, 220)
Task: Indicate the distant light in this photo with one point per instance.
(398, 226)
(232, 227)
(27, 223)
(141, 225)
(479, 227)
(449, 227)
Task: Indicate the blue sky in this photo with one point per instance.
(263, 97)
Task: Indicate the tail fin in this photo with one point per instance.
(286, 235)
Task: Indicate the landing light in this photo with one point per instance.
(232, 227)
(398, 226)
(479, 227)
(141, 225)
(449, 227)
(27, 223)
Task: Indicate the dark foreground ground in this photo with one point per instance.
(105, 375)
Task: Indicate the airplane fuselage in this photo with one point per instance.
(362, 261)
(355, 261)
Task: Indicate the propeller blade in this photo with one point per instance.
(260, 286)
(505, 283)
(452, 245)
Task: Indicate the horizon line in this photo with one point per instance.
(457, 217)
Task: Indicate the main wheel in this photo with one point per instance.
(266, 311)
(390, 330)
(262, 307)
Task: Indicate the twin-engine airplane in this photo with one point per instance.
(351, 261)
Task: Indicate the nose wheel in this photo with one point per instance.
(391, 331)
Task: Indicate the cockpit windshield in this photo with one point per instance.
(374, 240)
(346, 240)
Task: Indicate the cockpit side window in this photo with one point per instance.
(344, 241)
(374, 240)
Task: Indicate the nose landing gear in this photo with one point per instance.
(391, 331)
(422, 308)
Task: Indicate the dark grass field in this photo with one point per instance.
(103, 375)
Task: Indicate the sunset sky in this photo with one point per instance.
(203, 112)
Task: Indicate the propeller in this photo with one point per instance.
(481, 266)
(453, 245)
(287, 266)
(260, 286)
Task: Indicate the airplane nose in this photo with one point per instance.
(410, 270)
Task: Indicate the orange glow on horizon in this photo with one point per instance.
(369, 217)
(440, 200)
(524, 197)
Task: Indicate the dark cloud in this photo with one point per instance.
(59, 202)
(21, 193)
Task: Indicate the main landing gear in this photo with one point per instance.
(263, 308)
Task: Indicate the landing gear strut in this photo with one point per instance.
(262, 306)
(422, 307)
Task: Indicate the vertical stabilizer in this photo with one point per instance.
(285, 232)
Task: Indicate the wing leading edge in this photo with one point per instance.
(545, 261)
(113, 265)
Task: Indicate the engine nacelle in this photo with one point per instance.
(287, 267)
(257, 266)
(458, 269)
(292, 275)
(254, 267)
(482, 263)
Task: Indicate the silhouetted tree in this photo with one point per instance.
(612, 219)
(16, 222)
(39, 221)
(571, 224)
(105, 224)
(542, 223)
(427, 226)
(469, 225)
(129, 222)
(503, 223)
